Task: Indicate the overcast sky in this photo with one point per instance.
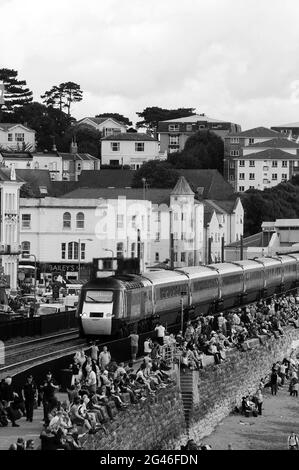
(235, 60)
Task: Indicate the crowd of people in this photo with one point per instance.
(100, 387)
(212, 335)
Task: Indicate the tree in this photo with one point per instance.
(118, 117)
(88, 139)
(152, 115)
(16, 93)
(62, 96)
(157, 175)
(203, 150)
(26, 191)
(49, 123)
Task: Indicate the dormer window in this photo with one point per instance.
(173, 127)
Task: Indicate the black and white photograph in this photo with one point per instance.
(149, 228)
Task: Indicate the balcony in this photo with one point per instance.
(13, 249)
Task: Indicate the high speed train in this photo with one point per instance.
(107, 304)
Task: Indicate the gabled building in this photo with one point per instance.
(175, 132)
(288, 130)
(132, 149)
(107, 126)
(17, 137)
(259, 158)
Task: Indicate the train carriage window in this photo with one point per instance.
(229, 280)
(205, 284)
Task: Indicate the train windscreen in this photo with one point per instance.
(98, 296)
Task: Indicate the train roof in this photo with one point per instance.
(195, 272)
(156, 277)
(269, 262)
(295, 255)
(226, 268)
(248, 264)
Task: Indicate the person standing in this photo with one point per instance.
(29, 394)
(147, 347)
(8, 395)
(49, 398)
(282, 372)
(273, 382)
(259, 401)
(94, 352)
(134, 337)
(293, 441)
(104, 358)
(160, 329)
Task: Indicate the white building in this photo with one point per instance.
(107, 126)
(16, 137)
(9, 225)
(223, 224)
(131, 148)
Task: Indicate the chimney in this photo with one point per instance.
(74, 146)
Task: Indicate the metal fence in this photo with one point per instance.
(38, 326)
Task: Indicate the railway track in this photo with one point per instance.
(40, 350)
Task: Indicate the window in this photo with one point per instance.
(174, 127)
(73, 251)
(174, 140)
(274, 176)
(139, 146)
(119, 250)
(241, 176)
(120, 221)
(26, 221)
(251, 141)
(274, 164)
(175, 257)
(251, 176)
(134, 221)
(19, 137)
(231, 178)
(284, 176)
(80, 220)
(183, 257)
(133, 250)
(43, 190)
(234, 153)
(241, 189)
(112, 130)
(78, 166)
(189, 127)
(232, 165)
(9, 137)
(251, 187)
(241, 162)
(115, 146)
(82, 250)
(156, 256)
(284, 163)
(66, 165)
(265, 181)
(63, 250)
(67, 220)
(25, 248)
(251, 163)
(234, 140)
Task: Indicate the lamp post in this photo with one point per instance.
(79, 254)
(27, 256)
(107, 249)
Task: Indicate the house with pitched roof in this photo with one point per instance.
(259, 158)
(174, 133)
(16, 137)
(131, 149)
(107, 126)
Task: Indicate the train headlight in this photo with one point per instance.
(84, 315)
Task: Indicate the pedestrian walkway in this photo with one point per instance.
(267, 432)
(9, 435)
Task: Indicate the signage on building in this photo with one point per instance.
(59, 267)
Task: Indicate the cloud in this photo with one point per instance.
(233, 60)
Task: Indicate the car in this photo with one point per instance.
(49, 309)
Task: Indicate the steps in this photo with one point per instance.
(186, 385)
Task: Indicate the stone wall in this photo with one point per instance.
(158, 422)
(152, 424)
(220, 388)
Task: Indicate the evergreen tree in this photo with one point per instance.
(62, 96)
(16, 94)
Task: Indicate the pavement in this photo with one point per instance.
(267, 432)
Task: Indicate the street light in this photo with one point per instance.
(107, 249)
(26, 256)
